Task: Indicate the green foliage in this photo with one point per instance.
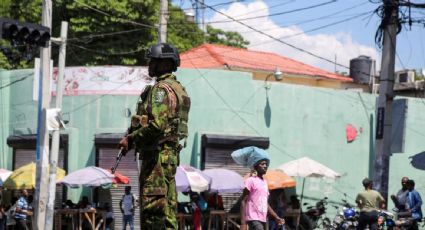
(228, 38)
(107, 32)
(182, 33)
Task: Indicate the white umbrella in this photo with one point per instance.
(224, 180)
(306, 167)
(88, 177)
(191, 179)
(4, 174)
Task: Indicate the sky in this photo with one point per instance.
(331, 29)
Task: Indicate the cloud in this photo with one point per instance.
(327, 46)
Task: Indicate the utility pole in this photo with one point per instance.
(203, 16)
(162, 30)
(56, 133)
(385, 99)
(42, 153)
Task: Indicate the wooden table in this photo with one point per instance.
(78, 216)
(181, 219)
(217, 214)
(233, 218)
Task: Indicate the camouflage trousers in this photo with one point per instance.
(158, 195)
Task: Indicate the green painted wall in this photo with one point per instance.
(300, 121)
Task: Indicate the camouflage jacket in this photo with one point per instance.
(163, 108)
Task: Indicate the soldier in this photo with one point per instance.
(163, 113)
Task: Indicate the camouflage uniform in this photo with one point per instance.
(164, 112)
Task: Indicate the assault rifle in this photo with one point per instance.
(121, 153)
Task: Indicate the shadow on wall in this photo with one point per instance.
(267, 113)
(418, 160)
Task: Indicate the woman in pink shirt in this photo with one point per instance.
(254, 205)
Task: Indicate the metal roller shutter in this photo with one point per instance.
(127, 167)
(216, 153)
(220, 158)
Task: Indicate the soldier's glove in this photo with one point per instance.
(124, 144)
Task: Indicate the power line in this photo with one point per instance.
(327, 25)
(269, 15)
(110, 15)
(237, 114)
(91, 36)
(271, 7)
(15, 81)
(108, 53)
(277, 39)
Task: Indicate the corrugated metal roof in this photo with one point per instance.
(220, 56)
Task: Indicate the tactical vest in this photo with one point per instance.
(177, 119)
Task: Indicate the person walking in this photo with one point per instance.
(163, 109)
(127, 208)
(254, 200)
(369, 201)
(22, 211)
(400, 198)
(414, 204)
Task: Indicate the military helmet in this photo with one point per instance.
(163, 51)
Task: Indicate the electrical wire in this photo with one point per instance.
(266, 8)
(123, 19)
(91, 36)
(108, 53)
(15, 81)
(268, 15)
(326, 26)
(278, 40)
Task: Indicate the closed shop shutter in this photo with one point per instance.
(216, 153)
(26, 156)
(127, 167)
(221, 158)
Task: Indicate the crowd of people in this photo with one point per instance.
(407, 202)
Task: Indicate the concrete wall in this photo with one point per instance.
(299, 120)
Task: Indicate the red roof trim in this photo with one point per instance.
(221, 55)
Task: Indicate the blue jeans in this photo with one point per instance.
(128, 219)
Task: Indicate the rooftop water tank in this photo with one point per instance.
(361, 69)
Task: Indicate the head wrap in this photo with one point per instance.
(250, 156)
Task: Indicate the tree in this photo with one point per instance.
(107, 32)
(228, 38)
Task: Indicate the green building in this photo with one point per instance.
(229, 110)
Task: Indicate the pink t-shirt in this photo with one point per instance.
(256, 204)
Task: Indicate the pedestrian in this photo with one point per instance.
(127, 205)
(400, 198)
(369, 201)
(414, 203)
(22, 211)
(3, 216)
(254, 205)
(277, 201)
(163, 109)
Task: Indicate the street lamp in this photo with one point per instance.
(278, 76)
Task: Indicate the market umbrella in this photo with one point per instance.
(24, 177)
(88, 177)
(306, 167)
(277, 179)
(119, 178)
(224, 180)
(4, 174)
(191, 179)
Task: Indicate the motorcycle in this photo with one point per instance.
(346, 218)
(314, 216)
